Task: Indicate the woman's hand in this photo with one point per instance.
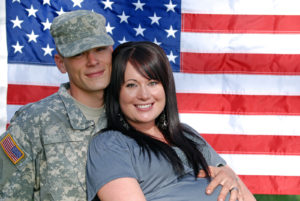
(230, 182)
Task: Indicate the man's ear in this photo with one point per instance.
(59, 60)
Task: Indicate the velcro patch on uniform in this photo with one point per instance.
(14, 153)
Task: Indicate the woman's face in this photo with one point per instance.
(141, 100)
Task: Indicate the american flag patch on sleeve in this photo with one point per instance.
(14, 153)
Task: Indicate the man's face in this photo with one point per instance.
(89, 71)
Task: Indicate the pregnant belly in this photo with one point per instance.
(185, 189)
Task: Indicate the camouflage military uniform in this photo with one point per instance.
(53, 134)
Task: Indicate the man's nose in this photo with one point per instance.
(92, 58)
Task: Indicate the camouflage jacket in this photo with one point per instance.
(48, 160)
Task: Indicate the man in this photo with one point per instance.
(43, 152)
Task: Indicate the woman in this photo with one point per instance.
(146, 153)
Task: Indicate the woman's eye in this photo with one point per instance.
(130, 85)
(153, 83)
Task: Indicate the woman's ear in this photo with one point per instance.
(59, 60)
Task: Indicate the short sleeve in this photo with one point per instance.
(211, 156)
(108, 158)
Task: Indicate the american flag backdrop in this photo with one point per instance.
(236, 65)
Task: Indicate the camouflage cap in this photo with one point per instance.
(77, 31)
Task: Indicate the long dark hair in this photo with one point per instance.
(151, 61)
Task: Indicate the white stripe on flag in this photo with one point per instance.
(258, 7)
(35, 75)
(3, 68)
(243, 124)
(244, 164)
(237, 84)
(231, 124)
(240, 43)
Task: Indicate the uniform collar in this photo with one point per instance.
(76, 117)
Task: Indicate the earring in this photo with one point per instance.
(123, 122)
(162, 122)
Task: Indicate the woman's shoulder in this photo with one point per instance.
(188, 130)
(110, 138)
(192, 134)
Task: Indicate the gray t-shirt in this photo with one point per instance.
(113, 155)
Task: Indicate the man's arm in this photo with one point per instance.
(15, 184)
(16, 173)
(6, 169)
(231, 183)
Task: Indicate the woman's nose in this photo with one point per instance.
(144, 92)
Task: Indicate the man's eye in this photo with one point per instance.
(99, 49)
(77, 55)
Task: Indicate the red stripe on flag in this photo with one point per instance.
(256, 144)
(240, 63)
(23, 94)
(284, 185)
(238, 104)
(214, 23)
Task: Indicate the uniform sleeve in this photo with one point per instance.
(211, 156)
(16, 174)
(109, 158)
(7, 168)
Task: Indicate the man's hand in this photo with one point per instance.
(230, 182)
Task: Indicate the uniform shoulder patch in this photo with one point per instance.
(11, 149)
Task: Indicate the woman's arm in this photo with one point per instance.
(109, 165)
(122, 189)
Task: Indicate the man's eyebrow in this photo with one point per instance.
(102, 47)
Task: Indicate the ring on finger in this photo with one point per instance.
(234, 188)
